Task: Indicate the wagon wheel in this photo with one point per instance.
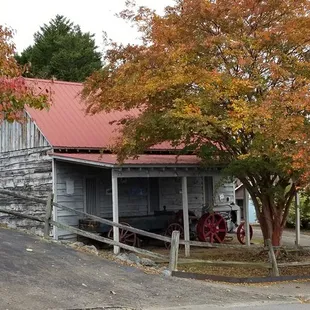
(211, 228)
(125, 236)
(170, 229)
(241, 233)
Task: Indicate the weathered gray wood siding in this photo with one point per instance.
(66, 173)
(18, 136)
(133, 194)
(170, 190)
(28, 172)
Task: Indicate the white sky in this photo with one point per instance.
(94, 16)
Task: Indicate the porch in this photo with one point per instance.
(134, 190)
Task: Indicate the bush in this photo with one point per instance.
(304, 212)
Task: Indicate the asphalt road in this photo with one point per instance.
(36, 274)
(269, 306)
(280, 307)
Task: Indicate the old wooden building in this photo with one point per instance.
(67, 152)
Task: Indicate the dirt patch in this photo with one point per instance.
(251, 255)
(239, 272)
(245, 255)
(225, 254)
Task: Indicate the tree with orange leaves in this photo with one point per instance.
(229, 80)
(14, 93)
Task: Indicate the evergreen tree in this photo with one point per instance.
(61, 50)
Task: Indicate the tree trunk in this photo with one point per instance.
(271, 209)
(277, 235)
(270, 220)
(264, 227)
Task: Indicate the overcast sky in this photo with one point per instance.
(94, 16)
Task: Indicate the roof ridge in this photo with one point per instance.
(54, 81)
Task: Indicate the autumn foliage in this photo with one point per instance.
(229, 80)
(14, 93)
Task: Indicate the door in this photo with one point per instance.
(154, 194)
(91, 196)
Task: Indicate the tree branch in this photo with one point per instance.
(287, 205)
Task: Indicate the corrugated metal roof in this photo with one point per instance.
(143, 160)
(65, 124)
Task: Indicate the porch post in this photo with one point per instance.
(115, 210)
(54, 188)
(246, 217)
(185, 215)
(297, 219)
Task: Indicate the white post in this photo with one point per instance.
(185, 215)
(297, 219)
(174, 251)
(115, 210)
(246, 217)
(54, 187)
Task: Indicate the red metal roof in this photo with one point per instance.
(65, 124)
(146, 159)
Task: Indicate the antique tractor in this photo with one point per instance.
(212, 226)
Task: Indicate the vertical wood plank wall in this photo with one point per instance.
(133, 194)
(18, 136)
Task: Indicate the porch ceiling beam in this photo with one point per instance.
(82, 162)
(156, 173)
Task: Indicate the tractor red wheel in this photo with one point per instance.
(125, 236)
(170, 229)
(211, 228)
(241, 233)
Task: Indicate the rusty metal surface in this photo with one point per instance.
(65, 124)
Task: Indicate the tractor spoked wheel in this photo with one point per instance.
(170, 229)
(125, 236)
(241, 236)
(211, 228)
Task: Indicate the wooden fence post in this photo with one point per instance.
(273, 260)
(297, 220)
(48, 214)
(174, 250)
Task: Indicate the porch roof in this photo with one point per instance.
(145, 160)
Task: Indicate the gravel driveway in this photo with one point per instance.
(36, 274)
